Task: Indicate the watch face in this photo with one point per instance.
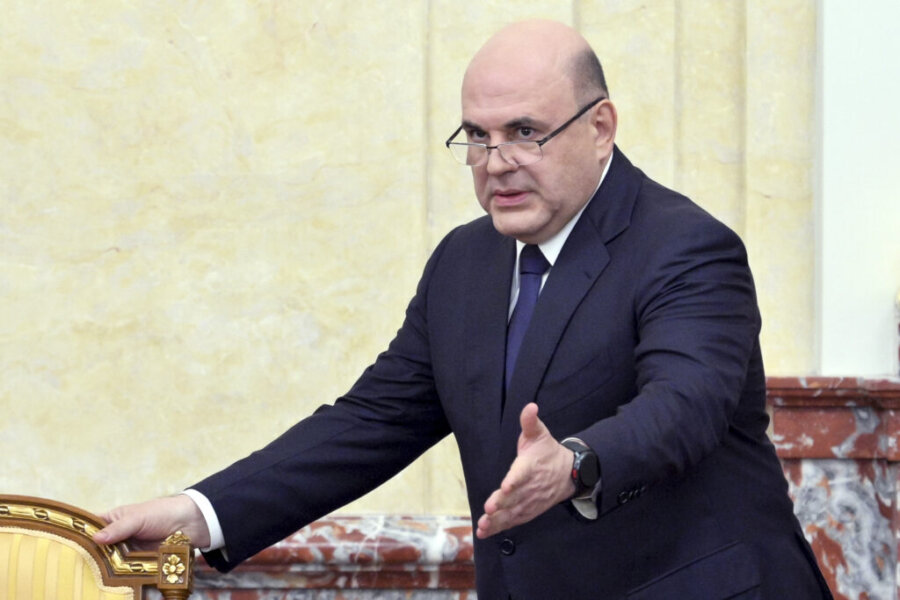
(585, 466)
(588, 469)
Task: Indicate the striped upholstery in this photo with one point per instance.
(35, 565)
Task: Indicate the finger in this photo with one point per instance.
(495, 502)
(116, 531)
(497, 512)
(514, 485)
(519, 474)
(483, 528)
(511, 485)
(489, 525)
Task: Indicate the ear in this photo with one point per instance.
(604, 122)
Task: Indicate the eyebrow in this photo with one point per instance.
(513, 124)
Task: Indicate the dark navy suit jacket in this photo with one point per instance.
(644, 344)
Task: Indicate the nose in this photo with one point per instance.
(496, 164)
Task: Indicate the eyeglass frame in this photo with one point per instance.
(540, 143)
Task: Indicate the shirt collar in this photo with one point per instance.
(552, 247)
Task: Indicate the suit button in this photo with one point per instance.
(623, 497)
(507, 547)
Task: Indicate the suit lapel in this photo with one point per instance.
(578, 266)
(487, 301)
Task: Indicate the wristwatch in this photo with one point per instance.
(585, 469)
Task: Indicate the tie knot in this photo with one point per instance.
(532, 260)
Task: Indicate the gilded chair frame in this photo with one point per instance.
(169, 568)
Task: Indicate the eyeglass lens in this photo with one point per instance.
(515, 153)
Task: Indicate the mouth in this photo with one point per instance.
(509, 197)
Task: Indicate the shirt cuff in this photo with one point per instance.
(216, 537)
(586, 505)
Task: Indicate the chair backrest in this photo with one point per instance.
(47, 551)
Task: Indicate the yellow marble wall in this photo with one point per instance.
(214, 213)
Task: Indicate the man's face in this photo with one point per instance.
(530, 203)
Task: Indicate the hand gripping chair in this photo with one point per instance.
(47, 552)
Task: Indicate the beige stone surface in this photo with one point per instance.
(637, 45)
(781, 142)
(213, 214)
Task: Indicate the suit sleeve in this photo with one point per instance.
(389, 418)
(697, 325)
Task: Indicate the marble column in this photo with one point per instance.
(837, 438)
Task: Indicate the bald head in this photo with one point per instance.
(536, 83)
(546, 51)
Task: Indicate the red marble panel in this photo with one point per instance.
(835, 417)
(371, 552)
(816, 432)
(891, 424)
(833, 391)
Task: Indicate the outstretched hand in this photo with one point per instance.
(148, 524)
(538, 479)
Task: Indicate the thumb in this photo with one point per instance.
(532, 426)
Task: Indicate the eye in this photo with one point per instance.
(524, 132)
(476, 135)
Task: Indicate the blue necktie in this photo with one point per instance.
(532, 266)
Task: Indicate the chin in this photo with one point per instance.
(513, 228)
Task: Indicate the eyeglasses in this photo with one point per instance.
(518, 154)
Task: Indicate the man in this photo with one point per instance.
(613, 440)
